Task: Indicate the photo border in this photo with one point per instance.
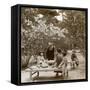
(19, 43)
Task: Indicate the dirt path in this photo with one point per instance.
(78, 73)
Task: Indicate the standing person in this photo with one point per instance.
(58, 60)
(50, 53)
(59, 57)
(63, 65)
(64, 51)
(74, 59)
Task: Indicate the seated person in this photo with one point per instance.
(40, 58)
(32, 60)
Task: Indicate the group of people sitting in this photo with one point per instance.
(56, 58)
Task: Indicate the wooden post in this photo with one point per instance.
(31, 75)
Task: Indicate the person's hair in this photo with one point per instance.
(64, 54)
(59, 50)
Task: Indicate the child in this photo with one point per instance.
(74, 59)
(63, 65)
(32, 61)
(40, 58)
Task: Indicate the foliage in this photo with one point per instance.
(39, 26)
(74, 21)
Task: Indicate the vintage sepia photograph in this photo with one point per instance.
(53, 44)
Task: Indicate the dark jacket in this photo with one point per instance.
(50, 53)
(73, 57)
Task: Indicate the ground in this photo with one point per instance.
(77, 73)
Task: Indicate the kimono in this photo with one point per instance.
(50, 53)
(62, 66)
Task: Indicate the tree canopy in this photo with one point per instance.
(65, 28)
